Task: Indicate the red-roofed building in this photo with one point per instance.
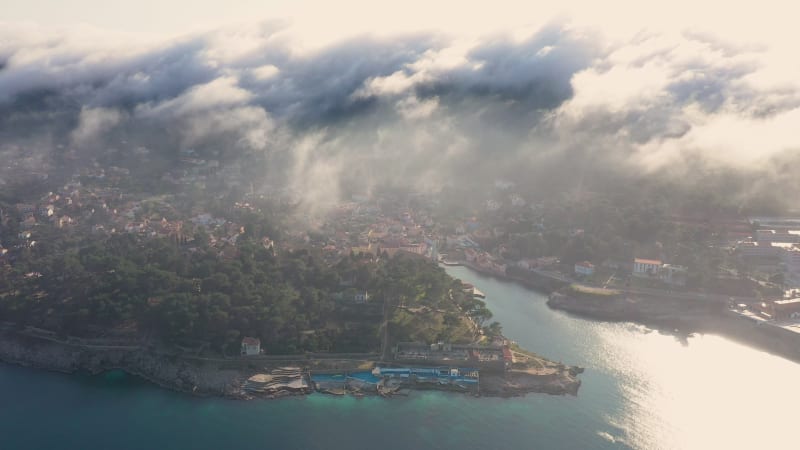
(646, 267)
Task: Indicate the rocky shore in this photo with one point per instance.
(195, 377)
(515, 383)
(214, 378)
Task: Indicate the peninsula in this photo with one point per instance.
(216, 307)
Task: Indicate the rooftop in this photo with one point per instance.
(251, 341)
(647, 261)
(793, 301)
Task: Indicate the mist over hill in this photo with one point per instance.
(559, 109)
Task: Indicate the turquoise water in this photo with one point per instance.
(641, 389)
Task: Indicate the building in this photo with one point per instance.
(46, 210)
(251, 346)
(790, 236)
(646, 267)
(757, 250)
(779, 310)
(488, 357)
(787, 309)
(584, 268)
(674, 275)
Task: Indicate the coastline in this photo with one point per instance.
(224, 379)
(669, 315)
(166, 371)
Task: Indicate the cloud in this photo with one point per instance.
(415, 109)
(93, 123)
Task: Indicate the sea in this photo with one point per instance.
(642, 389)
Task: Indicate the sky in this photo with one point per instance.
(333, 88)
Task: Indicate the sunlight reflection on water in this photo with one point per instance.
(657, 391)
(711, 393)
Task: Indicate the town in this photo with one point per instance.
(751, 263)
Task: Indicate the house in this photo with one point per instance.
(63, 220)
(46, 210)
(646, 267)
(251, 346)
(584, 268)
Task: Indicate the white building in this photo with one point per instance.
(646, 267)
(251, 346)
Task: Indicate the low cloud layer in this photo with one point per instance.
(562, 105)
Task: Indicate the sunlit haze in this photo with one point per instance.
(581, 216)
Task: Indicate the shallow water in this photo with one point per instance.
(641, 389)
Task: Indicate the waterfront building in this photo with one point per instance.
(787, 309)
